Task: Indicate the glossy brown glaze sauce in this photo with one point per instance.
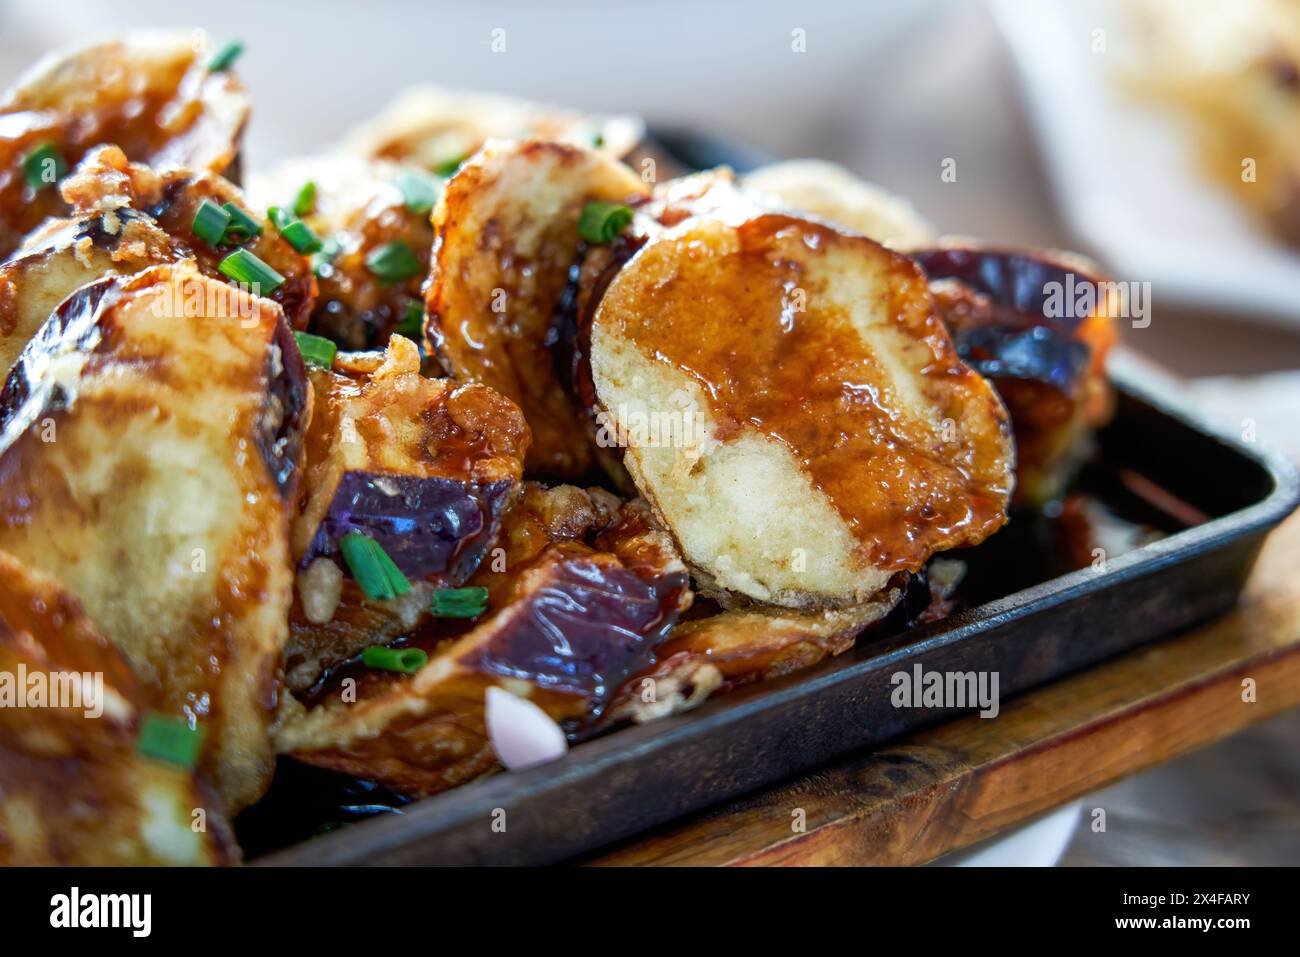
(732, 323)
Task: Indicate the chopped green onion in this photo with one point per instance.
(305, 202)
(406, 660)
(316, 350)
(243, 267)
(300, 236)
(459, 602)
(296, 233)
(279, 216)
(169, 739)
(394, 262)
(602, 223)
(210, 222)
(419, 191)
(44, 166)
(225, 57)
(412, 326)
(242, 226)
(374, 571)
(598, 140)
(448, 167)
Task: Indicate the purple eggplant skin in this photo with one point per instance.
(433, 528)
(592, 625)
(1041, 354)
(1048, 364)
(79, 324)
(75, 325)
(283, 421)
(1016, 283)
(1008, 331)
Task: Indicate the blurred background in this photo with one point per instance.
(888, 88)
(1049, 148)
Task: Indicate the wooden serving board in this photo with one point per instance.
(958, 783)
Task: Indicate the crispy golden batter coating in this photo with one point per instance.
(107, 181)
(797, 415)
(65, 255)
(507, 227)
(150, 446)
(74, 789)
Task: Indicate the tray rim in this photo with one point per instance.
(459, 805)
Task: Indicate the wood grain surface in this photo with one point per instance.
(961, 782)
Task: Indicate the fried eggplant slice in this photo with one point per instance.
(566, 627)
(425, 467)
(124, 218)
(794, 410)
(435, 128)
(1046, 358)
(830, 192)
(152, 94)
(713, 193)
(507, 226)
(150, 447)
(65, 255)
(363, 210)
(74, 788)
(713, 655)
(535, 517)
(716, 653)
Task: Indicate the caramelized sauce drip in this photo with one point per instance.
(731, 322)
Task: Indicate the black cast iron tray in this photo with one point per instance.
(1225, 495)
(638, 777)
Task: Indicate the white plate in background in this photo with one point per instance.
(1041, 843)
(1126, 179)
